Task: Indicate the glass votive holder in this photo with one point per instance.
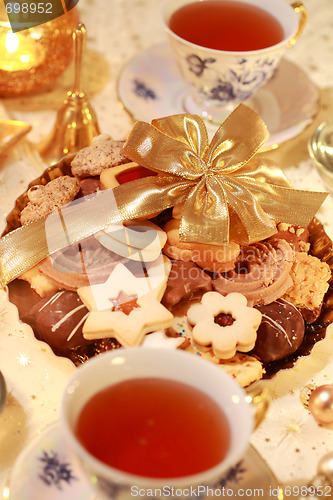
(32, 59)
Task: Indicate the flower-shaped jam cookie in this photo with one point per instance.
(224, 324)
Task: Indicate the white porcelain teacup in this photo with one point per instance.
(218, 80)
(115, 366)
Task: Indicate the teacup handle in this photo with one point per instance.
(300, 10)
(259, 398)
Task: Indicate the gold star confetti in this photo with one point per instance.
(291, 430)
(23, 359)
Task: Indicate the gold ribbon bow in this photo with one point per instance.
(224, 191)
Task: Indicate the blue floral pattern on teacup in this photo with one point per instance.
(54, 471)
(223, 91)
(198, 65)
(234, 475)
(237, 83)
(142, 90)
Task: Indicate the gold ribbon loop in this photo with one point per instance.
(230, 189)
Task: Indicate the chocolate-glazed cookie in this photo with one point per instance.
(58, 319)
(186, 281)
(281, 331)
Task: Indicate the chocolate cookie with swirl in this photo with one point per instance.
(280, 332)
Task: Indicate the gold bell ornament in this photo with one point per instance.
(76, 123)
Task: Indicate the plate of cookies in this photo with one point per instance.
(252, 304)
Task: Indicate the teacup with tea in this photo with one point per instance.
(228, 49)
(144, 419)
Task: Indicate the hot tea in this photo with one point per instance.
(154, 427)
(226, 25)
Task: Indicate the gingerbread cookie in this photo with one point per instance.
(224, 324)
(209, 257)
(102, 154)
(46, 199)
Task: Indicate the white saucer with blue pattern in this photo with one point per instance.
(150, 86)
(48, 470)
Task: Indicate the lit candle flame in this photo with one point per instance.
(20, 52)
(12, 42)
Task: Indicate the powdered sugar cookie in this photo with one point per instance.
(244, 368)
(225, 324)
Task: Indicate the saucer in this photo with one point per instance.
(48, 469)
(150, 86)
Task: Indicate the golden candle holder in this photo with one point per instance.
(32, 59)
(76, 123)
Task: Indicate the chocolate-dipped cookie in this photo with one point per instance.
(186, 281)
(57, 319)
(281, 331)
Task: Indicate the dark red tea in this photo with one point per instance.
(155, 428)
(226, 25)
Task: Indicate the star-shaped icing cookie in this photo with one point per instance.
(129, 327)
